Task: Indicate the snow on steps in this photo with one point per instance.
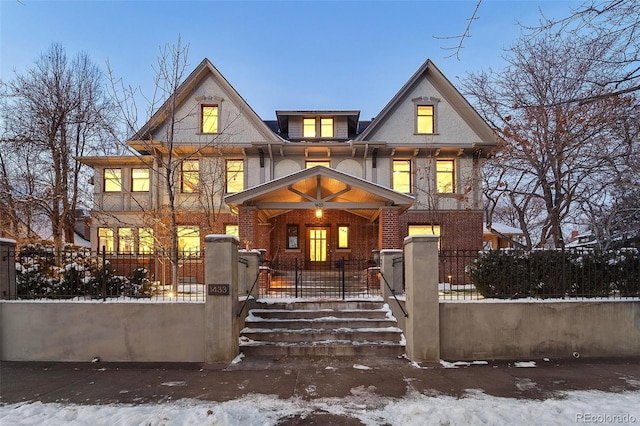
(321, 328)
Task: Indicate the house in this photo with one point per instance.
(499, 235)
(314, 186)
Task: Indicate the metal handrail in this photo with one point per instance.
(393, 293)
(244, 305)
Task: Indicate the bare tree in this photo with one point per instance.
(53, 113)
(553, 152)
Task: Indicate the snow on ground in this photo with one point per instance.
(475, 408)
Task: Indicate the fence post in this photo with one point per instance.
(221, 300)
(8, 269)
(386, 269)
(422, 301)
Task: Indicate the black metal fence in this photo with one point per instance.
(79, 273)
(344, 278)
(541, 274)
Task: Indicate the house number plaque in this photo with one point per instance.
(218, 289)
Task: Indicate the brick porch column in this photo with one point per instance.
(388, 228)
(248, 226)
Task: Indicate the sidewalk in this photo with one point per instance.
(306, 378)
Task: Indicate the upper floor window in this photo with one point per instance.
(188, 241)
(445, 174)
(209, 119)
(140, 180)
(309, 127)
(310, 164)
(326, 127)
(105, 240)
(235, 176)
(190, 176)
(425, 122)
(402, 176)
(112, 180)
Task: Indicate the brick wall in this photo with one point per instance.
(461, 230)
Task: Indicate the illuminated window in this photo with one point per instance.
(425, 230)
(232, 230)
(310, 164)
(190, 177)
(445, 176)
(125, 240)
(140, 180)
(209, 119)
(343, 236)
(425, 119)
(292, 236)
(145, 240)
(235, 176)
(112, 180)
(402, 176)
(188, 241)
(105, 240)
(326, 127)
(309, 127)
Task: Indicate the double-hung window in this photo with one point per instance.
(234, 176)
(112, 180)
(402, 176)
(343, 236)
(105, 240)
(188, 241)
(425, 119)
(190, 176)
(145, 240)
(125, 240)
(209, 118)
(445, 176)
(139, 180)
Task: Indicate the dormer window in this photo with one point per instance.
(312, 127)
(309, 128)
(326, 127)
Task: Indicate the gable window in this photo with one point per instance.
(145, 240)
(326, 127)
(425, 123)
(310, 164)
(445, 173)
(140, 180)
(343, 236)
(232, 230)
(188, 241)
(235, 176)
(309, 127)
(402, 176)
(105, 240)
(112, 180)
(209, 119)
(292, 236)
(190, 176)
(125, 240)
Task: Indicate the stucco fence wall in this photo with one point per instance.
(533, 330)
(118, 332)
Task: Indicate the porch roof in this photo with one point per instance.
(319, 187)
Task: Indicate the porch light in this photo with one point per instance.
(319, 213)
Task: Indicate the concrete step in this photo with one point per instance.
(305, 335)
(314, 305)
(379, 349)
(307, 314)
(319, 323)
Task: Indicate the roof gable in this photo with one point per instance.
(429, 78)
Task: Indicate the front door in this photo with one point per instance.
(318, 246)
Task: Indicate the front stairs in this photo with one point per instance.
(321, 328)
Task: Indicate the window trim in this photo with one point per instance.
(110, 238)
(122, 240)
(426, 102)
(452, 173)
(238, 172)
(290, 243)
(348, 245)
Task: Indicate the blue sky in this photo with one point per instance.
(277, 54)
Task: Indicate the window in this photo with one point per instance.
(343, 236)
(310, 164)
(188, 241)
(292, 236)
(309, 127)
(112, 180)
(235, 176)
(190, 178)
(445, 176)
(140, 180)
(105, 240)
(125, 240)
(209, 119)
(326, 127)
(232, 230)
(402, 176)
(145, 240)
(425, 119)
(425, 230)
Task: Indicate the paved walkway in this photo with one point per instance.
(307, 378)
